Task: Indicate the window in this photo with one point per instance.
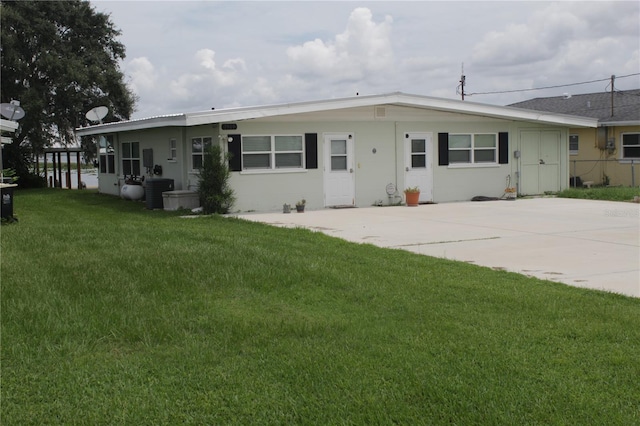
(473, 148)
(573, 144)
(106, 155)
(199, 147)
(173, 149)
(418, 153)
(131, 158)
(631, 146)
(272, 152)
(338, 154)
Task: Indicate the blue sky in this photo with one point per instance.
(194, 55)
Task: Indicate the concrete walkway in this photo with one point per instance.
(584, 243)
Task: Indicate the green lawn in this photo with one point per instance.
(113, 314)
(617, 193)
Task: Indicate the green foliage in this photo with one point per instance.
(59, 59)
(18, 159)
(619, 193)
(10, 175)
(163, 320)
(216, 196)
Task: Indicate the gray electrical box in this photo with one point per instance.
(147, 158)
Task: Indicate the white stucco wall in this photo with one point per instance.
(373, 171)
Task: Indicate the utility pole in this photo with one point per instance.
(613, 80)
(462, 82)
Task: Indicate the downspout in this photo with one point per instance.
(392, 198)
(183, 161)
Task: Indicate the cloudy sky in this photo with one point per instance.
(194, 55)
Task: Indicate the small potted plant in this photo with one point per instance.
(510, 193)
(300, 205)
(412, 195)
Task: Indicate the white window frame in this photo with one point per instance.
(577, 140)
(173, 150)
(622, 146)
(131, 159)
(203, 141)
(472, 154)
(107, 156)
(273, 153)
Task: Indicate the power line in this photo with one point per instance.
(549, 87)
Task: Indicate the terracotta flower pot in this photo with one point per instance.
(412, 198)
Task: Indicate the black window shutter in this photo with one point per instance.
(311, 150)
(503, 148)
(443, 149)
(235, 153)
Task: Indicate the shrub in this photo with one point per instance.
(216, 196)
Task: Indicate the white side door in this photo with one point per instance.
(418, 162)
(540, 161)
(339, 176)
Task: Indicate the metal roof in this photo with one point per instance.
(397, 98)
(625, 111)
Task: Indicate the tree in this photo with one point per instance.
(216, 196)
(59, 59)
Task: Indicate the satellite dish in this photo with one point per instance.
(97, 114)
(11, 111)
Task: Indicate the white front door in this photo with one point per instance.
(339, 176)
(418, 162)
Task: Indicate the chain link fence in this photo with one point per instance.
(609, 172)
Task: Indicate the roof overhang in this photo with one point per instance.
(401, 99)
(619, 123)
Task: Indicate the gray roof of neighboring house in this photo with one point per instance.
(626, 106)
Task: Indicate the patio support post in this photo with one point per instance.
(46, 175)
(55, 171)
(68, 170)
(78, 166)
(59, 170)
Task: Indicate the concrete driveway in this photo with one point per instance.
(584, 243)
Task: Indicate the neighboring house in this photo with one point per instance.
(610, 154)
(6, 127)
(348, 152)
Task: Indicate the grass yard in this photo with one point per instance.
(113, 314)
(618, 193)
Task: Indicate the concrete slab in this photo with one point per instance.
(584, 243)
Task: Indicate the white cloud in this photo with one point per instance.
(560, 43)
(557, 31)
(361, 51)
(205, 82)
(221, 54)
(142, 74)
